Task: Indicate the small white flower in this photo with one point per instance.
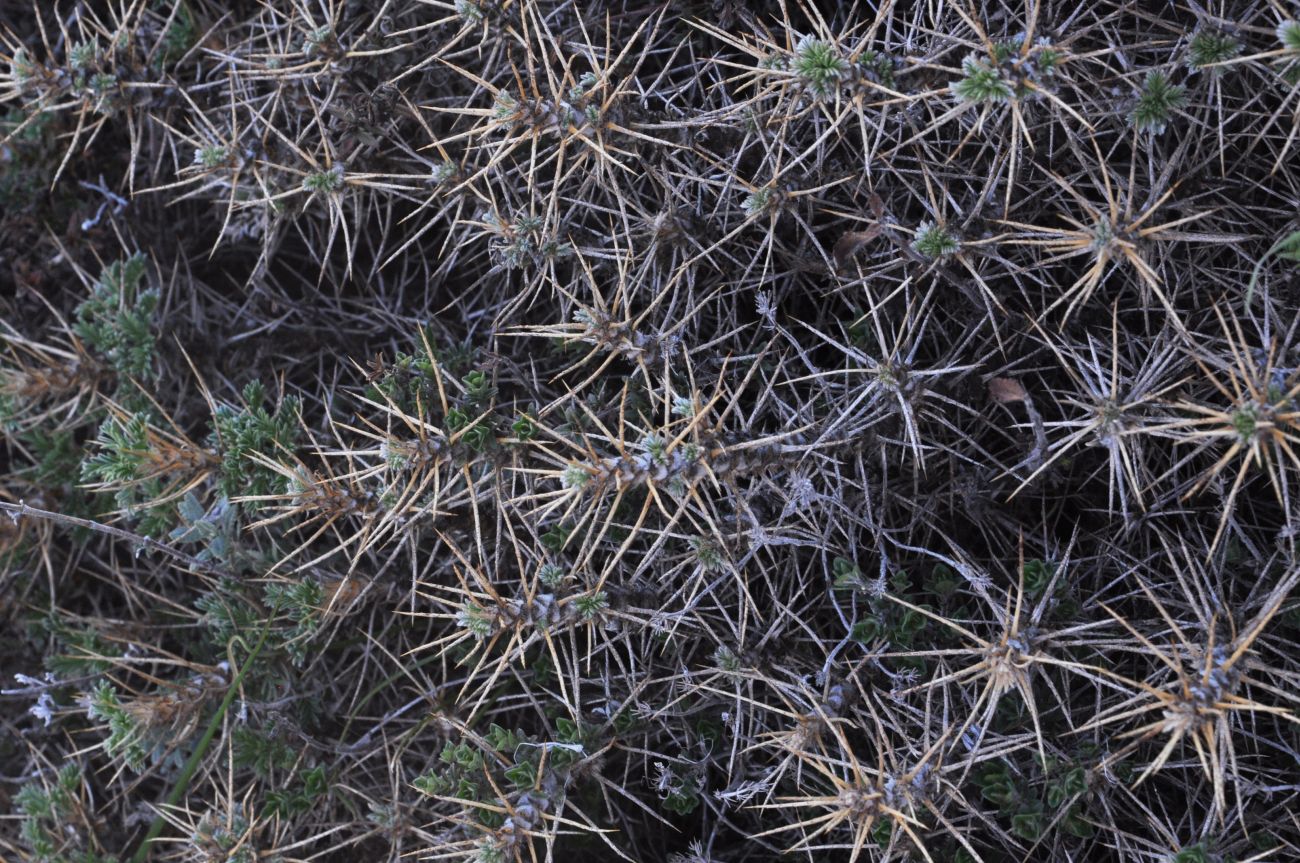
(696, 855)
(664, 778)
(877, 588)
(765, 308)
(977, 580)
(43, 709)
(742, 792)
(575, 476)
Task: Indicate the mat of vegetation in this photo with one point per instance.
(535, 430)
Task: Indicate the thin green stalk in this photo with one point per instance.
(187, 772)
(1289, 245)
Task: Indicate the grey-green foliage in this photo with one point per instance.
(30, 159)
(525, 241)
(57, 457)
(215, 529)
(1210, 46)
(981, 82)
(122, 460)
(325, 182)
(226, 836)
(125, 735)
(934, 241)
(47, 812)
(818, 65)
(241, 432)
(227, 613)
(1288, 33)
(122, 447)
(117, 321)
(1157, 103)
(1013, 71)
(302, 602)
(75, 650)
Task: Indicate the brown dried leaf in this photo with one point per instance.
(1007, 390)
(848, 245)
(877, 206)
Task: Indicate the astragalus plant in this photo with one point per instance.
(534, 430)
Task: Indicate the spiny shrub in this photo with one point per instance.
(524, 430)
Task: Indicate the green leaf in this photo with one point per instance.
(1193, 854)
(1289, 247)
(683, 802)
(1028, 825)
(523, 428)
(867, 631)
(502, 740)
(846, 575)
(523, 775)
(566, 730)
(432, 784)
(1076, 825)
(467, 757)
(314, 781)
